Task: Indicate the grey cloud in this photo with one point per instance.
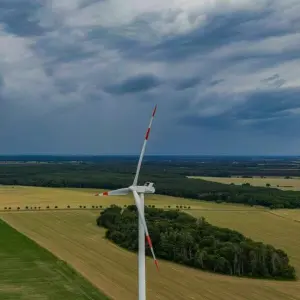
(216, 82)
(264, 59)
(19, 17)
(187, 83)
(274, 81)
(1, 82)
(221, 122)
(66, 86)
(265, 111)
(60, 50)
(81, 84)
(271, 78)
(264, 105)
(219, 31)
(135, 84)
(86, 3)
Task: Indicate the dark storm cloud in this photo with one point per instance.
(264, 59)
(220, 122)
(274, 81)
(62, 51)
(140, 83)
(219, 31)
(66, 66)
(19, 17)
(187, 83)
(215, 82)
(265, 105)
(265, 111)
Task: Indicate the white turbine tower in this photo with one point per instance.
(138, 193)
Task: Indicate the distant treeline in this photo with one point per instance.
(181, 238)
(217, 166)
(170, 179)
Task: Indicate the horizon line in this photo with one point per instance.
(252, 155)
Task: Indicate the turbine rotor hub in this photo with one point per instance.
(147, 188)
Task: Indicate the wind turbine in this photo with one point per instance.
(138, 192)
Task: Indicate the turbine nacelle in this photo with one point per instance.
(147, 188)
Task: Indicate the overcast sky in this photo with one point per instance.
(82, 76)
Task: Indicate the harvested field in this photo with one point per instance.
(30, 272)
(290, 214)
(265, 226)
(275, 182)
(35, 197)
(74, 237)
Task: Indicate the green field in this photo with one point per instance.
(31, 272)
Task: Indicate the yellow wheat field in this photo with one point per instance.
(74, 237)
(34, 197)
(20, 196)
(275, 182)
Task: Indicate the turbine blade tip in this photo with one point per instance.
(156, 263)
(154, 111)
(102, 194)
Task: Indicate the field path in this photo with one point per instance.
(74, 237)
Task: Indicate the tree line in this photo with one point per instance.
(168, 180)
(181, 238)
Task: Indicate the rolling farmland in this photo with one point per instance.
(74, 237)
(275, 182)
(35, 197)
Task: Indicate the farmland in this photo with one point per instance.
(74, 237)
(267, 226)
(34, 197)
(274, 182)
(30, 272)
(169, 174)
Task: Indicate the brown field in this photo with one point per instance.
(275, 182)
(74, 237)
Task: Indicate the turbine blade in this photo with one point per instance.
(119, 192)
(143, 148)
(138, 205)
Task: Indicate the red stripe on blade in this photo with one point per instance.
(149, 241)
(147, 134)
